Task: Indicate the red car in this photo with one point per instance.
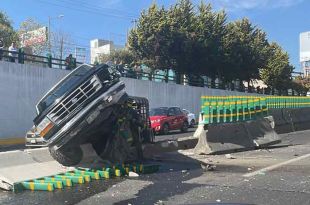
(164, 119)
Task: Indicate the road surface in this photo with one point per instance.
(280, 175)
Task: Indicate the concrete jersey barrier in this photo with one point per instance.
(230, 137)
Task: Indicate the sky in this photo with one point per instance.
(84, 20)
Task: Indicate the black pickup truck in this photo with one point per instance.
(90, 105)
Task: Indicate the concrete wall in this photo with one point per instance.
(21, 86)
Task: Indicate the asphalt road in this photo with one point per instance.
(280, 175)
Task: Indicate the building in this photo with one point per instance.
(305, 52)
(99, 47)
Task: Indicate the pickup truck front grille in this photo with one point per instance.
(73, 100)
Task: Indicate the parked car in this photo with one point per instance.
(190, 117)
(164, 119)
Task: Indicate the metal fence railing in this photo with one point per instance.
(227, 109)
(192, 80)
(46, 61)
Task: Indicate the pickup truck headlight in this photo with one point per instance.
(44, 127)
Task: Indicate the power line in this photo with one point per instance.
(97, 7)
(86, 10)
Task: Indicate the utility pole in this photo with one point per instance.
(49, 36)
(61, 50)
(134, 21)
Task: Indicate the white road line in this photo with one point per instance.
(272, 167)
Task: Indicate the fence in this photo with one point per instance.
(192, 80)
(226, 109)
(21, 57)
(278, 102)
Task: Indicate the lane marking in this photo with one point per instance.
(272, 167)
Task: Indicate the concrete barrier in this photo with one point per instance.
(291, 119)
(230, 137)
(261, 132)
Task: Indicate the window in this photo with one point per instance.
(178, 111)
(171, 112)
(159, 112)
(63, 87)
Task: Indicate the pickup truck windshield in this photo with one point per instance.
(62, 87)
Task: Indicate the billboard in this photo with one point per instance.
(35, 37)
(304, 46)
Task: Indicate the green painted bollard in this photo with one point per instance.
(38, 186)
(74, 179)
(65, 182)
(92, 174)
(57, 184)
(85, 177)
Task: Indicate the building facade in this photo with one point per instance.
(101, 47)
(305, 52)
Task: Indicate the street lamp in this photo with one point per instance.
(49, 30)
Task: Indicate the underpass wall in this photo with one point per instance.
(22, 85)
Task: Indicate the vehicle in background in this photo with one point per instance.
(164, 119)
(190, 117)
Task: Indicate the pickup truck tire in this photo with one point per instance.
(67, 156)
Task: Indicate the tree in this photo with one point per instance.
(211, 30)
(246, 50)
(277, 72)
(7, 32)
(301, 84)
(123, 56)
(148, 41)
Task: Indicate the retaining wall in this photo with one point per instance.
(22, 85)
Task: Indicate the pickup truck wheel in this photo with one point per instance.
(67, 156)
(184, 127)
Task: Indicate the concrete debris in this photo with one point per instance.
(229, 156)
(208, 167)
(133, 174)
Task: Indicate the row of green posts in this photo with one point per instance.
(81, 176)
(227, 109)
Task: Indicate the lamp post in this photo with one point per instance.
(49, 30)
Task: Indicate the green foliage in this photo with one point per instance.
(198, 41)
(7, 32)
(277, 71)
(301, 84)
(122, 57)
